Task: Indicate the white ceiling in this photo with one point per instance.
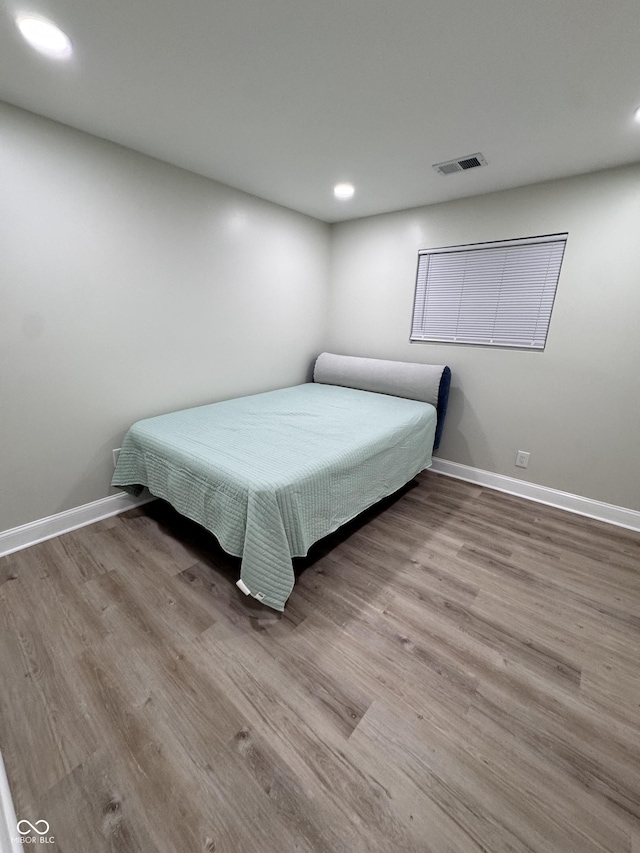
(285, 98)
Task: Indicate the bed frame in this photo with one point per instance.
(272, 473)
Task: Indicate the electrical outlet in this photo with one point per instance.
(116, 453)
(522, 458)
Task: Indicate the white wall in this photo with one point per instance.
(576, 406)
(130, 288)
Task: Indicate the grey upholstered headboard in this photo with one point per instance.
(428, 383)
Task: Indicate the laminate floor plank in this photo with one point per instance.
(322, 590)
(481, 645)
(613, 686)
(569, 803)
(584, 579)
(545, 617)
(300, 802)
(310, 739)
(457, 670)
(109, 818)
(389, 666)
(573, 741)
(41, 716)
(230, 606)
(189, 801)
(491, 795)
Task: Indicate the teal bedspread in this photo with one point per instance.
(272, 473)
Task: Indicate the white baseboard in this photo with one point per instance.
(618, 515)
(63, 522)
(46, 528)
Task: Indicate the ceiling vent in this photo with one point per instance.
(460, 164)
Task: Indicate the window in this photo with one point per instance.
(493, 294)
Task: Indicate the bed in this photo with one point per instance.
(272, 473)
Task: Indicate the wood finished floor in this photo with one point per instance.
(457, 670)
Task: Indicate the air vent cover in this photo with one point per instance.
(460, 164)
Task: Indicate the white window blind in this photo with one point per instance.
(496, 294)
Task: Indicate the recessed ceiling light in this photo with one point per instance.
(44, 36)
(343, 191)
(636, 115)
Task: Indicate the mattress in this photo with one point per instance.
(272, 473)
